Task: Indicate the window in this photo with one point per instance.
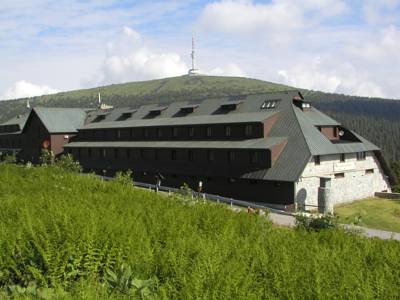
(227, 130)
(209, 131)
(141, 154)
(115, 153)
(253, 157)
(191, 131)
(89, 152)
(269, 104)
(339, 175)
(210, 155)
(361, 155)
(132, 132)
(175, 132)
(173, 155)
(79, 152)
(190, 155)
(342, 157)
(104, 153)
(369, 171)
(156, 154)
(248, 130)
(317, 160)
(118, 134)
(231, 156)
(146, 132)
(128, 153)
(159, 132)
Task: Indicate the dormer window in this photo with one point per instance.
(269, 104)
(303, 105)
(100, 117)
(157, 110)
(230, 105)
(187, 109)
(126, 115)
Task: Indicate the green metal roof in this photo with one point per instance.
(61, 120)
(19, 121)
(294, 125)
(181, 121)
(319, 144)
(243, 144)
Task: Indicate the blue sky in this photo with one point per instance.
(350, 47)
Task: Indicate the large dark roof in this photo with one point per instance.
(61, 120)
(293, 125)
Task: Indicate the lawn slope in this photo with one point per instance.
(373, 213)
(71, 236)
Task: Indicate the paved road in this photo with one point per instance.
(285, 220)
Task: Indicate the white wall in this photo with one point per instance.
(355, 185)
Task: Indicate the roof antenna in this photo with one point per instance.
(28, 105)
(193, 71)
(99, 101)
(103, 105)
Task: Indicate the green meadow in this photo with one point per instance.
(68, 236)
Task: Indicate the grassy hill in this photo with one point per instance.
(376, 119)
(152, 91)
(67, 236)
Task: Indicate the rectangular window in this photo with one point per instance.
(159, 132)
(146, 132)
(210, 155)
(89, 152)
(118, 134)
(317, 160)
(248, 130)
(79, 152)
(227, 130)
(191, 131)
(141, 153)
(128, 153)
(175, 132)
(342, 157)
(361, 155)
(339, 175)
(104, 153)
(209, 131)
(156, 154)
(369, 171)
(190, 155)
(253, 157)
(173, 155)
(231, 156)
(132, 132)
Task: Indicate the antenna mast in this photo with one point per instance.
(193, 71)
(192, 51)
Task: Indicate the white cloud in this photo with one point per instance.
(228, 70)
(23, 88)
(382, 11)
(330, 76)
(245, 16)
(128, 58)
(384, 47)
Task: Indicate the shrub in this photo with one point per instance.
(47, 157)
(124, 178)
(316, 222)
(9, 158)
(67, 163)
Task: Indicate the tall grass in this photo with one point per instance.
(67, 235)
